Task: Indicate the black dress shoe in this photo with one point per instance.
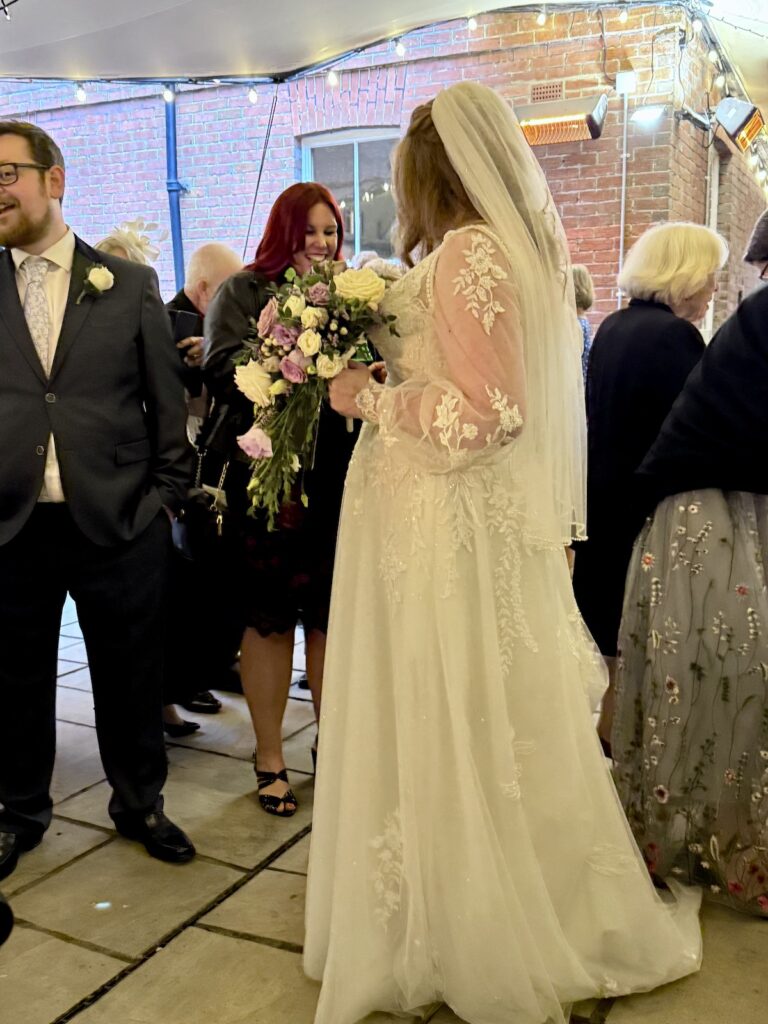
(203, 703)
(11, 845)
(177, 729)
(160, 836)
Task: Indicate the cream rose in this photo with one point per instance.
(329, 366)
(295, 304)
(309, 342)
(100, 278)
(313, 317)
(363, 285)
(254, 382)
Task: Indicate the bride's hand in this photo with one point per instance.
(345, 387)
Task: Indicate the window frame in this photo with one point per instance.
(341, 137)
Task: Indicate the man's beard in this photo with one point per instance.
(25, 231)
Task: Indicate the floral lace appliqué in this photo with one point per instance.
(478, 279)
(388, 872)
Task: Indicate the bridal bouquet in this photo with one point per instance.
(310, 329)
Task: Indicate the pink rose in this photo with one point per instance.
(735, 887)
(291, 371)
(267, 319)
(762, 902)
(256, 443)
(318, 294)
(285, 336)
(298, 357)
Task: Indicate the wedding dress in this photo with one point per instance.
(468, 845)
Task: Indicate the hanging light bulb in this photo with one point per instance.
(753, 160)
(332, 78)
(168, 94)
(720, 81)
(541, 17)
(762, 174)
(623, 16)
(343, 204)
(253, 96)
(80, 94)
(471, 24)
(714, 56)
(696, 26)
(385, 186)
(399, 47)
(6, 12)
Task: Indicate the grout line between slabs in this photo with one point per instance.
(92, 947)
(260, 940)
(60, 867)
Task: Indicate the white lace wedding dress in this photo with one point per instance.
(468, 844)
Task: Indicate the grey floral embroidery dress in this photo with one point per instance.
(690, 734)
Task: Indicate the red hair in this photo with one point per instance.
(286, 228)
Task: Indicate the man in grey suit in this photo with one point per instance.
(93, 458)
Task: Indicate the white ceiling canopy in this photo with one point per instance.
(164, 40)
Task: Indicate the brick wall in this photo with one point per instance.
(740, 203)
(115, 142)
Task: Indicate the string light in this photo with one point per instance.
(696, 26)
(714, 56)
(753, 160)
(720, 81)
(385, 186)
(541, 18)
(399, 47)
(762, 174)
(253, 96)
(6, 12)
(80, 94)
(471, 24)
(624, 16)
(332, 78)
(168, 94)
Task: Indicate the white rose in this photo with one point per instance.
(329, 366)
(363, 285)
(309, 342)
(295, 304)
(313, 316)
(254, 382)
(280, 387)
(100, 278)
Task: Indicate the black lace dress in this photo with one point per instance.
(284, 576)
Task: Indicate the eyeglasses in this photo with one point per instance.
(9, 173)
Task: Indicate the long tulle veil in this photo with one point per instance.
(502, 177)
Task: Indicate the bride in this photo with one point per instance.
(468, 844)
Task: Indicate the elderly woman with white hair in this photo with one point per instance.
(690, 733)
(640, 359)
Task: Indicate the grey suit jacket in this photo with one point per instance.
(114, 404)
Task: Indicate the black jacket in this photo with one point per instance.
(716, 434)
(114, 403)
(191, 375)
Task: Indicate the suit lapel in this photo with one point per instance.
(75, 315)
(12, 315)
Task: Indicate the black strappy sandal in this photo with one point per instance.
(271, 803)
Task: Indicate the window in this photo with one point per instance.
(355, 166)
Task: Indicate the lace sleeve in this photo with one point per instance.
(477, 403)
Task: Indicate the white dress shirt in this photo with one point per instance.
(60, 255)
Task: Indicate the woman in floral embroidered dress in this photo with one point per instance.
(690, 736)
(453, 858)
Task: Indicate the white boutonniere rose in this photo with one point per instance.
(98, 279)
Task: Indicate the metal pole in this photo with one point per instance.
(623, 216)
(174, 186)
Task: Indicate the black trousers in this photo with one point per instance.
(120, 596)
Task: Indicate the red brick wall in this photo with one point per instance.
(740, 203)
(114, 144)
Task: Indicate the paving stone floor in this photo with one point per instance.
(107, 935)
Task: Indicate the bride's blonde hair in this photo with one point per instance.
(429, 195)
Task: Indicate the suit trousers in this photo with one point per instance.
(120, 593)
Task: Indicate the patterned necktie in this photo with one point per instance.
(36, 310)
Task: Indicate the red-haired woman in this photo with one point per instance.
(283, 577)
